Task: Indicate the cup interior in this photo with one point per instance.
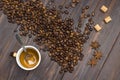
(18, 57)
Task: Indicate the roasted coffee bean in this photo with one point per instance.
(86, 37)
(81, 56)
(83, 10)
(85, 16)
(87, 24)
(66, 12)
(90, 28)
(91, 22)
(87, 7)
(60, 7)
(67, 6)
(88, 15)
(73, 5)
(79, 25)
(93, 14)
(90, 19)
(15, 30)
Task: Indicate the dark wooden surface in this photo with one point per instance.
(108, 68)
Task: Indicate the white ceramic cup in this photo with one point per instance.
(18, 58)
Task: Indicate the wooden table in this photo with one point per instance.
(108, 68)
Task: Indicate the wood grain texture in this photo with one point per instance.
(108, 68)
(106, 37)
(111, 69)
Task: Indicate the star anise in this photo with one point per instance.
(93, 62)
(95, 45)
(97, 54)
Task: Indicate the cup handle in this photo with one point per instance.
(14, 54)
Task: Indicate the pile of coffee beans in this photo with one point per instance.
(50, 31)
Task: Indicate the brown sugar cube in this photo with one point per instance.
(107, 19)
(97, 27)
(14, 54)
(104, 8)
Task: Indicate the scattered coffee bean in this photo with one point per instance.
(88, 15)
(93, 14)
(87, 7)
(67, 6)
(66, 12)
(73, 5)
(60, 7)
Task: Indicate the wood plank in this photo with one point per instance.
(47, 69)
(75, 74)
(111, 69)
(8, 44)
(105, 37)
(7, 63)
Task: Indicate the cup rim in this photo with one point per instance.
(18, 59)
